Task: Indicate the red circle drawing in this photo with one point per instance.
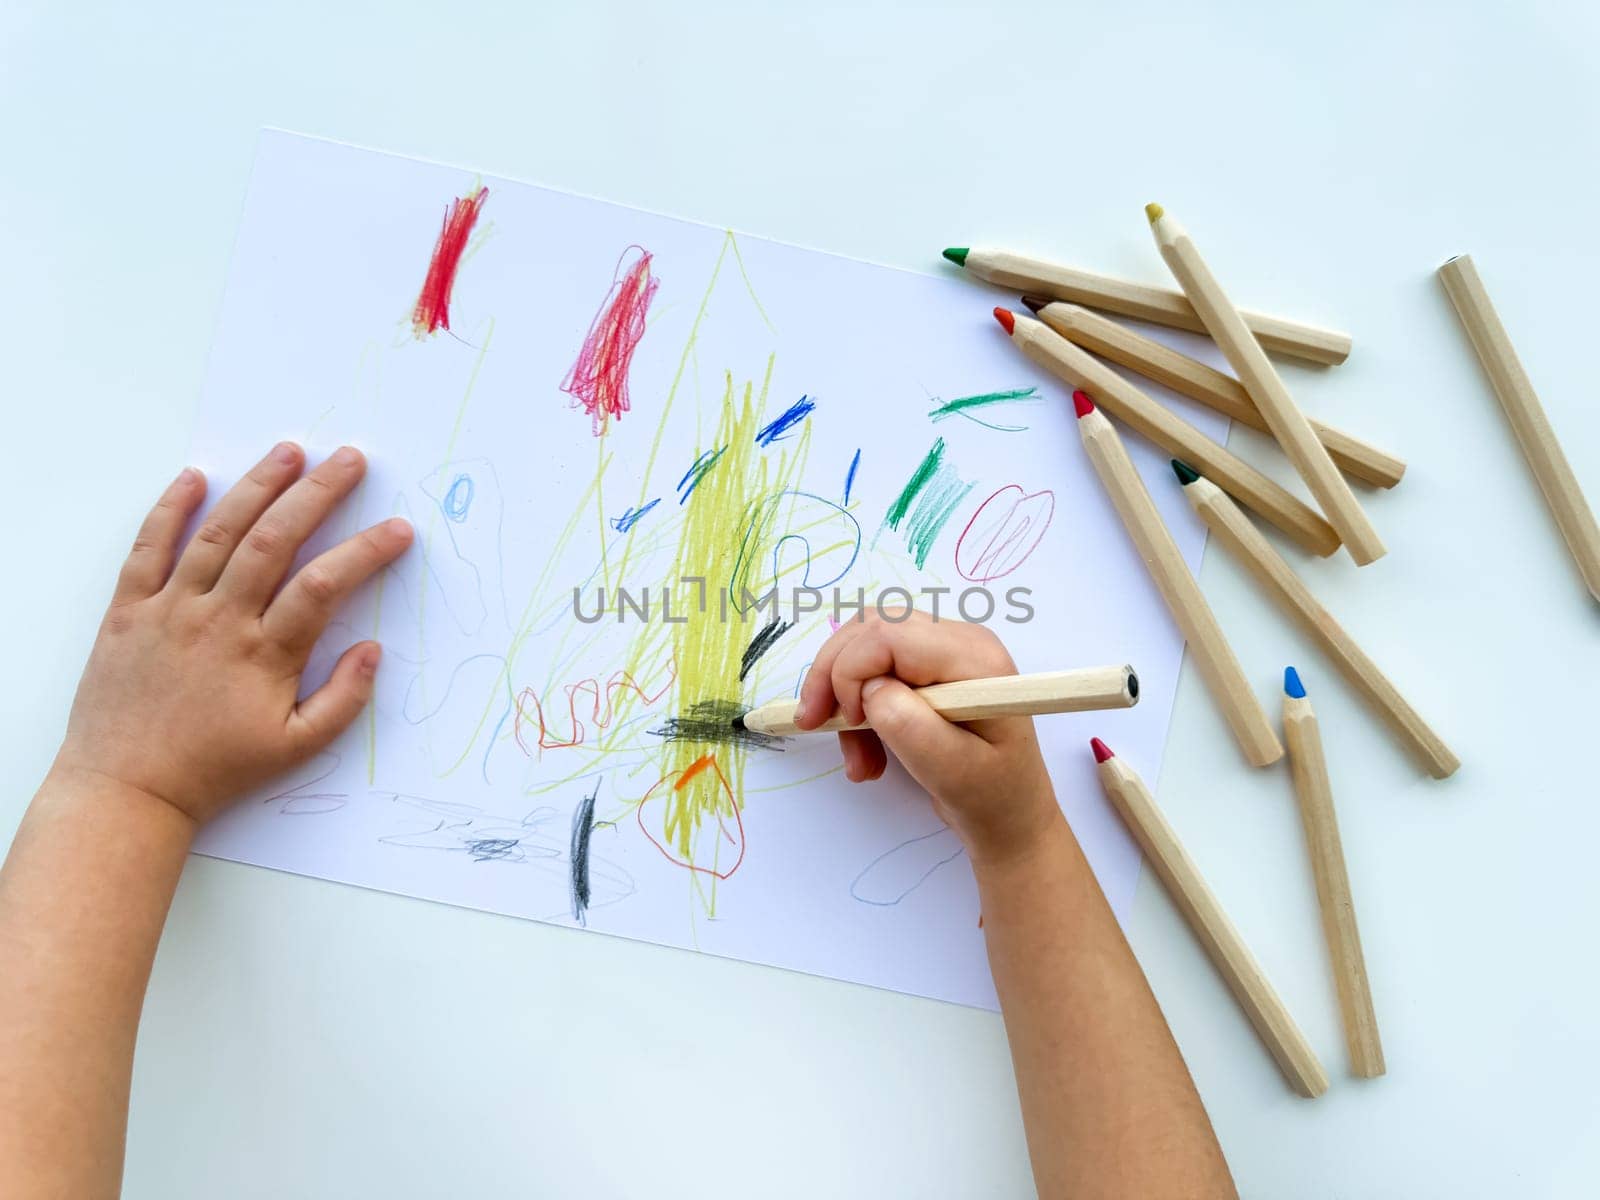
(1007, 527)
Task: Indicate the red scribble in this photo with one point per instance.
(602, 704)
(598, 380)
(432, 312)
(1001, 535)
(734, 835)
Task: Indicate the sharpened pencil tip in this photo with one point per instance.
(1185, 473)
(1081, 404)
(1153, 211)
(738, 723)
(957, 254)
(1292, 685)
(1034, 303)
(1007, 319)
(1101, 750)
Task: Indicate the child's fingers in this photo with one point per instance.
(816, 692)
(156, 546)
(935, 752)
(328, 711)
(864, 755)
(297, 615)
(919, 653)
(267, 552)
(208, 552)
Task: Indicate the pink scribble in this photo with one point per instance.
(1007, 527)
(598, 380)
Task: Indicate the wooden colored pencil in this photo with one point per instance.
(1158, 305)
(1192, 378)
(1287, 423)
(1234, 530)
(1310, 770)
(1527, 416)
(1083, 690)
(1222, 943)
(1122, 400)
(1207, 645)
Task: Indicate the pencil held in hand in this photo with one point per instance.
(1034, 695)
(1260, 379)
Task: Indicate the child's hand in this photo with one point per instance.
(190, 692)
(987, 778)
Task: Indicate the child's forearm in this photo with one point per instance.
(83, 896)
(1107, 1102)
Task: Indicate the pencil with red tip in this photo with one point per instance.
(1136, 409)
(1208, 647)
(1311, 786)
(1195, 900)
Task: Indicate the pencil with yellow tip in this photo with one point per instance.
(1260, 379)
(1199, 906)
(1311, 786)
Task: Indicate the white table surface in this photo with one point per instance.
(310, 1040)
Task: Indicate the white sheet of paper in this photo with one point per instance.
(466, 781)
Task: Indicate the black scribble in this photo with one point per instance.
(711, 721)
(489, 849)
(582, 827)
(761, 643)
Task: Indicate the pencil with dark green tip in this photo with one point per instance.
(1160, 306)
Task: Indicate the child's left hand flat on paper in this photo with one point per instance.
(190, 694)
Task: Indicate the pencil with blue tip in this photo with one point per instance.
(1315, 792)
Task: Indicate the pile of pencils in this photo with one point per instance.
(1078, 345)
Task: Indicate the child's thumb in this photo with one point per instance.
(926, 744)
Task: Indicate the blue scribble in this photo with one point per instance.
(850, 476)
(787, 420)
(458, 499)
(631, 518)
(902, 869)
(696, 472)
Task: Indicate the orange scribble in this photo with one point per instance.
(601, 708)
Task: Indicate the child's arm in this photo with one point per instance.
(189, 698)
(1107, 1102)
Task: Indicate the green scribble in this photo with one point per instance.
(919, 480)
(928, 500)
(962, 404)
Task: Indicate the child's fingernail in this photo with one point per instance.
(369, 659)
(347, 456)
(187, 476)
(398, 527)
(801, 708)
(871, 687)
(286, 452)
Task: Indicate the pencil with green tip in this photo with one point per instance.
(1199, 906)
(1287, 423)
(1310, 770)
(1246, 543)
(1160, 306)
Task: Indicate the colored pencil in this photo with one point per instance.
(1526, 414)
(1287, 423)
(1310, 770)
(1158, 305)
(1207, 645)
(1122, 400)
(1222, 943)
(1085, 690)
(1234, 530)
(1192, 378)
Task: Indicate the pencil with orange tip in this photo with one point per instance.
(1207, 645)
(1529, 423)
(1310, 769)
(1165, 428)
(1199, 906)
(1260, 379)
(1160, 306)
(1192, 378)
(1246, 543)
